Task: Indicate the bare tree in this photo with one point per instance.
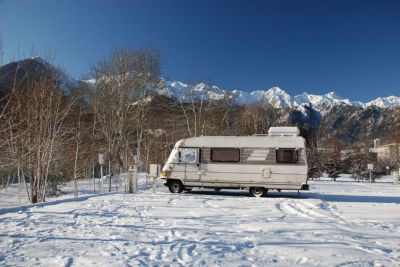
(195, 109)
(229, 111)
(333, 157)
(358, 167)
(1, 49)
(256, 119)
(78, 141)
(36, 130)
(124, 84)
(394, 137)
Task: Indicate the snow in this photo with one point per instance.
(385, 102)
(90, 81)
(334, 224)
(278, 98)
(275, 97)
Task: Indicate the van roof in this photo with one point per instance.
(244, 141)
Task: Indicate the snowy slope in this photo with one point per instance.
(275, 97)
(335, 224)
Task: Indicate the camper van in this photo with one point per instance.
(258, 163)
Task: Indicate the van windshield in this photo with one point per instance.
(174, 156)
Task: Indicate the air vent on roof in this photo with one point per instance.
(283, 131)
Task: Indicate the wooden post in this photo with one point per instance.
(154, 185)
(130, 183)
(135, 171)
(109, 185)
(395, 175)
(94, 179)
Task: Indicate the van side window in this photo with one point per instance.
(189, 155)
(225, 154)
(287, 156)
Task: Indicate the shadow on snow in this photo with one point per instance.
(307, 195)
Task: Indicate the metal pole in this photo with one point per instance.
(19, 186)
(101, 175)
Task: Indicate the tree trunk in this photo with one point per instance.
(130, 183)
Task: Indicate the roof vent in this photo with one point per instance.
(283, 131)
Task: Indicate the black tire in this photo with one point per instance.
(175, 186)
(257, 191)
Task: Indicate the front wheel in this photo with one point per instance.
(175, 186)
(256, 191)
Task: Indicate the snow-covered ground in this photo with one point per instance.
(334, 224)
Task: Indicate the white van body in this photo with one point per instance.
(274, 161)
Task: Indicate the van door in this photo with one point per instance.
(189, 158)
(290, 166)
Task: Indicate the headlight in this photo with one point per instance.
(165, 173)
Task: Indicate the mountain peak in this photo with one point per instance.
(333, 95)
(278, 98)
(277, 90)
(39, 60)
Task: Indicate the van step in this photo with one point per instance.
(305, 187)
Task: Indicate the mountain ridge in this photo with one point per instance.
(275, 96)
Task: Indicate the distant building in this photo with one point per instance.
(345, 152)
(387, 153)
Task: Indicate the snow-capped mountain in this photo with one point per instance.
(275, 97)
(385, 102)
(185, 92)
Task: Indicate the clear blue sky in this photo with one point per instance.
(351, 47)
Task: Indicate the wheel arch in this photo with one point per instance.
(169, 180)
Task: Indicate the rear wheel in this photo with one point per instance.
(175, 186)
(256, 191)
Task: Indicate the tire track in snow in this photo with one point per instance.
(291, 208)
(316, 213)
(189, 230)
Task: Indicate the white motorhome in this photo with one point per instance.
(259, 162)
